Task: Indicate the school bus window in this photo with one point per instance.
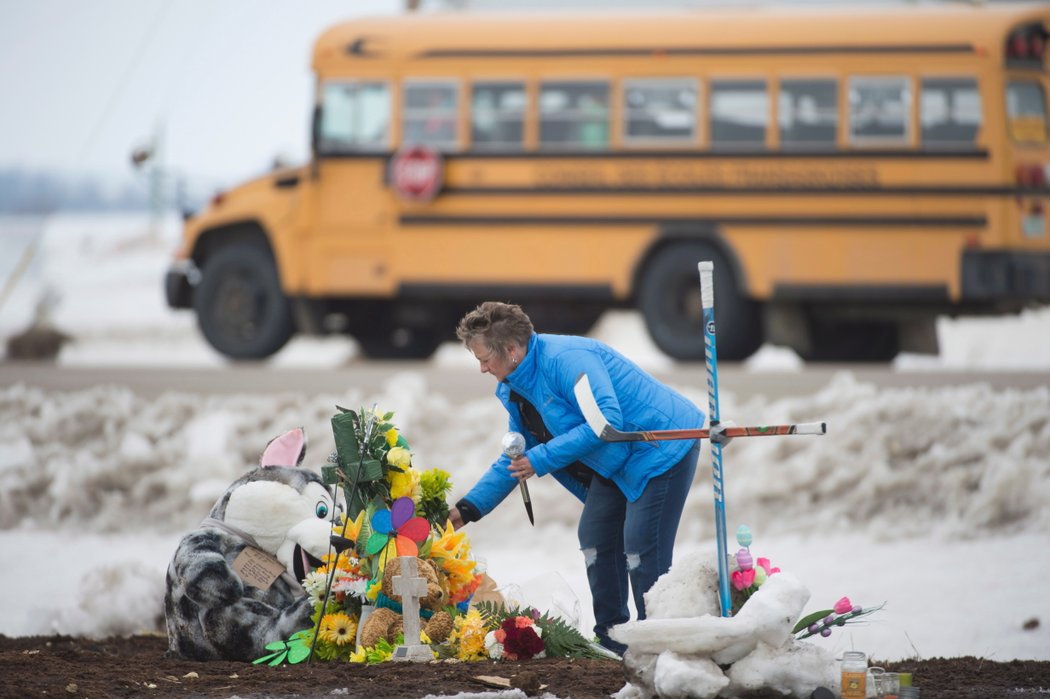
(949, 112)
(807, 113)
(659, 110)
(739, 113)
(497, 115)
(429, 114)
(1026, 110)
(574, 114)
(879, 110)
(354, 116)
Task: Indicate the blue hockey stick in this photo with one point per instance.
(707, 299)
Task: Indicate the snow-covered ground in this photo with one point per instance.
(931, 500)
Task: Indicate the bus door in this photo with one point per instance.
(1027, 127)
(352, 217)
(1015, 270)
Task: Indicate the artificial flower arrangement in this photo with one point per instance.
(751, 573)
(394, 510)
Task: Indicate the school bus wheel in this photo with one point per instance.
(669, 299)
(240, 307)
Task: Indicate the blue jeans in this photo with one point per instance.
(633, 541)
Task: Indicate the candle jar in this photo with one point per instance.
(854, 675)
(890, 687)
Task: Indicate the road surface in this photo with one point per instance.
(464, 383)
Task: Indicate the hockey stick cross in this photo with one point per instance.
(718, 433)
(607, 433)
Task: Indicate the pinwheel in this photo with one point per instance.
(399, 527)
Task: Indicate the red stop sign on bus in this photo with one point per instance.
(417, 173)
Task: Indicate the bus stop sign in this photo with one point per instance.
(417, 173)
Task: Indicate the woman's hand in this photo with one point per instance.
(455, 517)
(521, 468)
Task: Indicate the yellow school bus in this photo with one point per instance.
(853, 173)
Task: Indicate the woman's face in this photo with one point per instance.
(492, 363)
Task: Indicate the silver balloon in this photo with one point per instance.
(513, 444)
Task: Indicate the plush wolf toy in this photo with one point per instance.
(233, 585)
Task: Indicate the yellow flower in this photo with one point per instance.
(451, 553)
(468, 635)
(404, 484)
(399, 456)
(391, 436)
(358, 656)
(353, 529)
(338, 629)
(460, 573)
(451, 544)
(372, 591)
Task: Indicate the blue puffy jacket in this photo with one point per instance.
(630, 399)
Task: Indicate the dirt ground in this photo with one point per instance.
(136, 667)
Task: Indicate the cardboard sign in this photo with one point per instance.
(257, 568)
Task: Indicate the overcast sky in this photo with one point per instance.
(227, 81)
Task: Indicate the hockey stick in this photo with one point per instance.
(607, 433)
(707, 302)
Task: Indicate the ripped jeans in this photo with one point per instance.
(624, 540)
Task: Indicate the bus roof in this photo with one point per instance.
(457, 35)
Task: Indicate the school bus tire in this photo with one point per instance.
(241, 310)
(669, 300)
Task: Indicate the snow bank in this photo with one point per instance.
(897, 462)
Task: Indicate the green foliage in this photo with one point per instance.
(805, 621)
(294, 650)
(494, 613)
(434, 487)
(737, 598)
(559, 639)
(444, 651)
(360, 457)
(563, 641)
(435, 483)
(382, 650)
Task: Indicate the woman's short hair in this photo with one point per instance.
(498, 325)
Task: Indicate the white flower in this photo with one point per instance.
(494, 647)
(351, 585)
(314, 584)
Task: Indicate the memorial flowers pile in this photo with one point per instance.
(751, 573)
(395, 510)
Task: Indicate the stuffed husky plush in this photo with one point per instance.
(233, 585)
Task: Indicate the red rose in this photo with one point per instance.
(520, 642)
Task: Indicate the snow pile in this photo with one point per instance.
(682, 649)
(898, 462)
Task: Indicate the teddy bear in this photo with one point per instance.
(233, 584)
(386, 623)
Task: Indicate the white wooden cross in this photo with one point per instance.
(411, 587)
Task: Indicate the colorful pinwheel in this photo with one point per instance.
(399, 527)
